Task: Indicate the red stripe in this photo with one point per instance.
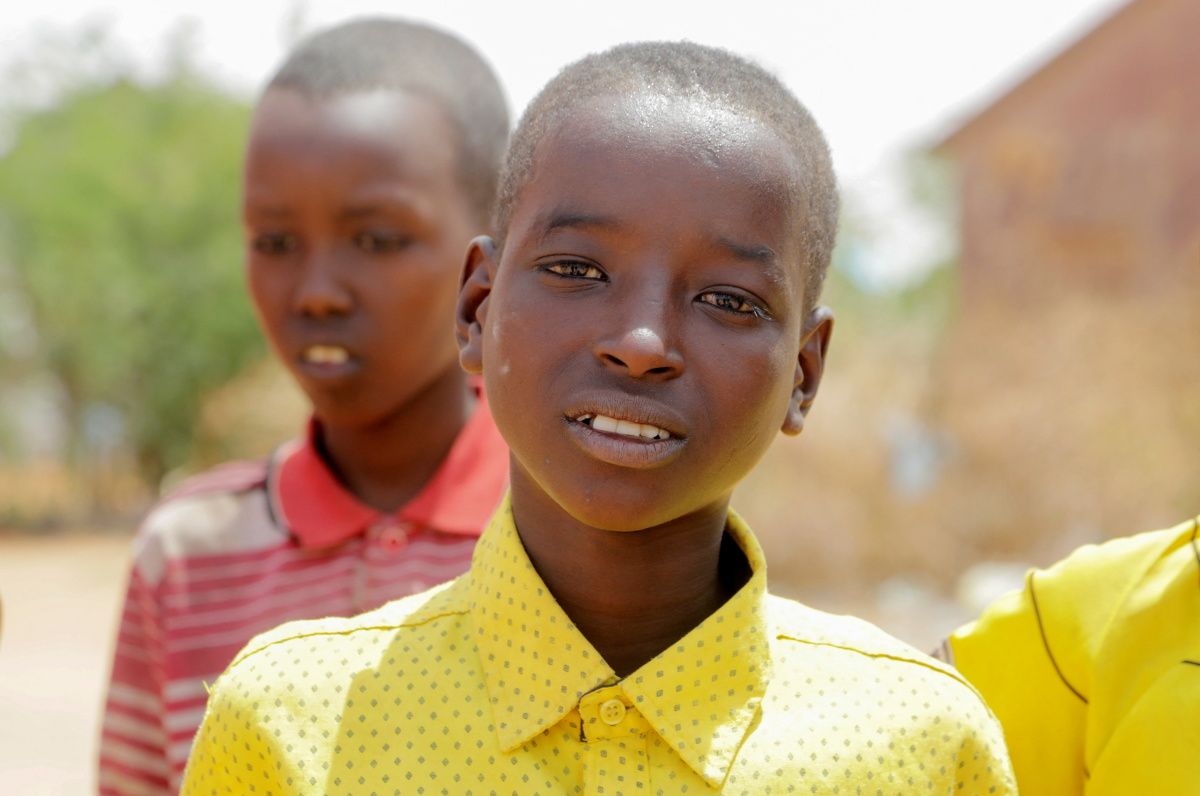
(180, 599)
(133, 773)
(178, 705)
(110, 735)
(202, 622)
(211, 570)
(199, 561)
(140, 716)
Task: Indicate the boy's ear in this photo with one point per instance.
(810, 366)
(474, 290)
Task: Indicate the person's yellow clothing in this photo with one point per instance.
(1094, 669)
(485, 686)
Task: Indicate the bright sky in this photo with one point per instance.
(881, 76)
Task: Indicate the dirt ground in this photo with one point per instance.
(59, 601)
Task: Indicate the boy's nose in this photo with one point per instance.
(321, 292)
(642, 354)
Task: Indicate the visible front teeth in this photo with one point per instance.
(326, 354)
(625, 428)
(607, 424)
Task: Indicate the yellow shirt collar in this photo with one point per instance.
(537, 665)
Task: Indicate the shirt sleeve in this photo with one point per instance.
(1006, 654)
(983, 765)
(133, 737)
(1031, 654)
(235, 752)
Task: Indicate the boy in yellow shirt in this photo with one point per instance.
(646, 321)
(1093, 668)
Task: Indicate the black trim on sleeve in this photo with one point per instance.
(274, 513)
(1046, 641)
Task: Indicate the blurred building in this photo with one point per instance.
(1087, 174)
(1070, 380)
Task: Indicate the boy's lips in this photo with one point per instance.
(625, 430)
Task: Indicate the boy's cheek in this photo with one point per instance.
(497, 359)
(267, 294)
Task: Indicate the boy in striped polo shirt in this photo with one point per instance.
(372, 160)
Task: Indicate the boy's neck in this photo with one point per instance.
(387, 462)
(631, 594)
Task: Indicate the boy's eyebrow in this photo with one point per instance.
(265, 211)
(571, 219)
(760, 253)
(386, 203)
(360, 211)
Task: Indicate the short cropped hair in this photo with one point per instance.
(688, 71)
(378, 53)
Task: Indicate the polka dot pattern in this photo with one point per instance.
(485, 687)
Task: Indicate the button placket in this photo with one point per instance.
(384, 541)
(615, 739)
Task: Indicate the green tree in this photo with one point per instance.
(118, 221)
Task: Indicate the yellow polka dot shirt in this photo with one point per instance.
(483, 686)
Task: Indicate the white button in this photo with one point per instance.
(612, 711)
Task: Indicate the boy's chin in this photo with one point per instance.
(624, 513)
(346, 413)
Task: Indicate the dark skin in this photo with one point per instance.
(651, 274)
(355, 226)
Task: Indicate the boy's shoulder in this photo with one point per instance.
(1110, 567)
(797, 628)
(228, 477)
(1080, 599)
(219, 511)
(855, 679)
(352, 638)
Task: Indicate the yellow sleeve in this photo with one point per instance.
(1004, 654)
(1031, 654)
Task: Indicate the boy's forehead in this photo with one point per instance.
(357, 111)
(631, 140)
(659, 129)
(400, 128)
(704, 126)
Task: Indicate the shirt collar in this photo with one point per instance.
(537, 665)
(310, 502)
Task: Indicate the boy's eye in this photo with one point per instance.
(274, 243)
(573, 269)
(730, 302)
(376, 242)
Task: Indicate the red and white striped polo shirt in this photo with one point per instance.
(250, 545)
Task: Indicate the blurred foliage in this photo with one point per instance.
(118, 224)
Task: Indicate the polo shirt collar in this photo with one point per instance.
(311, 503)
(702, 695)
